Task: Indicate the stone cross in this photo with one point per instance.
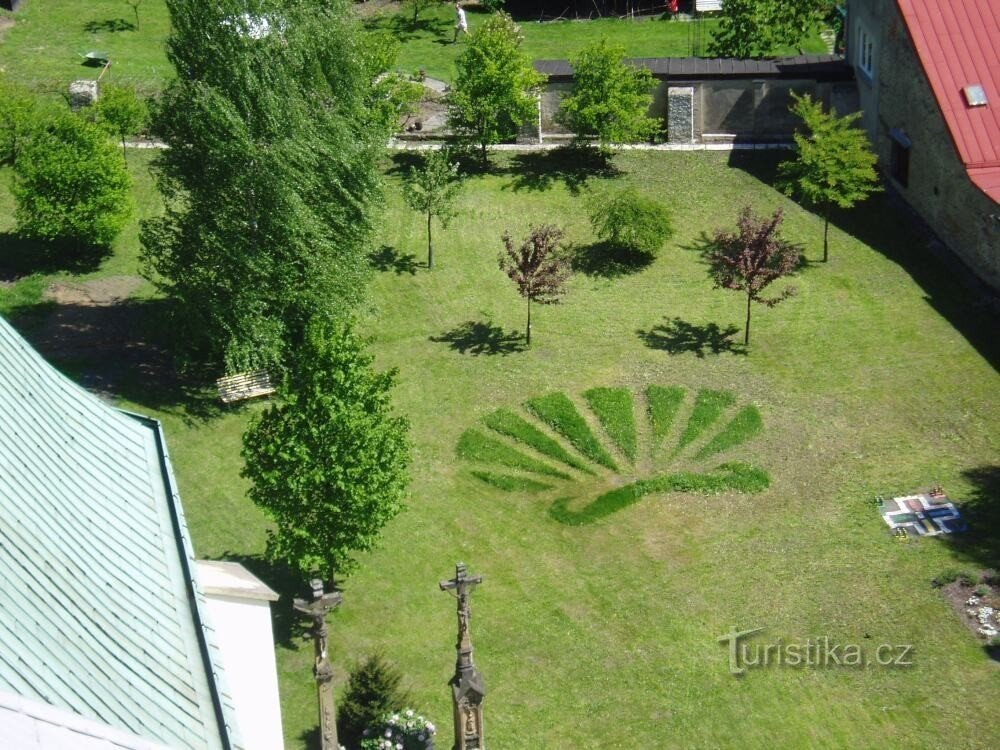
(317, 610)
(468, 690)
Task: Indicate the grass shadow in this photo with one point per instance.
(482, 337)
(110, 25)
(572, 165)
(388, 258)
(608, 261)
(677, 336)
(884, 223)
(20, 256)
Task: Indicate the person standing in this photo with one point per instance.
(462, 23)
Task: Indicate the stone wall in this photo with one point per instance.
(899, 98)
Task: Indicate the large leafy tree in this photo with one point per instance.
(329, 463)
(275, 122)
(537, 267)
(752, 258)
(431, 189)
(834, 166)
(757, 28)
(610, 99)
(70, 185)
(494, 91)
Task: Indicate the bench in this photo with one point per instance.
(244, 385)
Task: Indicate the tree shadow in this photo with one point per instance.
(311, 739)
(290, 629)
(111, 25)
(884, 223)
(980, 544)
(388, 258)
(404, 162)
(118, 351)
(20, 256)
(572, 165)
(402, 28)
(482, 337)
(677, 336)
(608, 261)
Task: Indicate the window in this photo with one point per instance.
(899, 159)
(865, 57)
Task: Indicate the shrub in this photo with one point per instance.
(630, 220)
(373, 691)
(70, 184)
(403, 730)
(17, 109)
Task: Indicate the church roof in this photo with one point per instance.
(100, 613)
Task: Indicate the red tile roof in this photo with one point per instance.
(958, 42)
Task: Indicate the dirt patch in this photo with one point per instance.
(371, 8)
(6, 22)
(107, 291)
(969, 599)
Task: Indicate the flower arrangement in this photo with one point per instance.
(402, 730)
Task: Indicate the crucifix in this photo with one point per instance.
(467, 688)
(317, 610)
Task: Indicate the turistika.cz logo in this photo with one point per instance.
(819, 652)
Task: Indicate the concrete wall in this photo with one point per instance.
(720, 110)
(899, 96)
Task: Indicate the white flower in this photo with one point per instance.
(388, 733)
(409, 713)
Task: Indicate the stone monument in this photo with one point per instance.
(317, 610)
(467, 688)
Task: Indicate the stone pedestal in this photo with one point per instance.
(82, 94)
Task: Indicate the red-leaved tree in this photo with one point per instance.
(537, 267)
(749, 260)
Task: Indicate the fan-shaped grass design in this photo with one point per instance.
(664, 404)
(510, 424)
(745, 425)
(557, 411)
(583, 500)
(708, 407)
(475, 446)
(509, 483)
(616, 411)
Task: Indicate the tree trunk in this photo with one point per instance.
(124, 155)
(528, 333)
(826, 232)
(485, 153)
(430, 246)
(746, 337)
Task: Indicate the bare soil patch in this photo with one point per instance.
(6, 22)
(967, 598)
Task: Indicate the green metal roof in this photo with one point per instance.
(100, 612)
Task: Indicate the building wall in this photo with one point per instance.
(898, 98)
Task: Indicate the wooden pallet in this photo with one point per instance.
(244, 385)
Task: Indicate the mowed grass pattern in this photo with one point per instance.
(616, 410)
(560, 414)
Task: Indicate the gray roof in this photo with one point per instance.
(826, 67)
(99, 608)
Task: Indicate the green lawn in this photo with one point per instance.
(44, 48)
(875, 378)
(429, 44)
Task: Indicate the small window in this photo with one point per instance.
(899, 159)
(866, 52)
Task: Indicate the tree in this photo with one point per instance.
(631, 221)
(329, 464)
(419, 6)
(835, 165)
(432, 189)
(121, 112)
(610, 99)
(134, 4)
(17, 112)
(751, 259)
(276, 123)
(69, 184)
(537, 267)
(493, 93)
(373, 690)
(757, 28)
